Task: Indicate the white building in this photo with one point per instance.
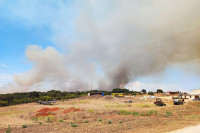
(195, 93)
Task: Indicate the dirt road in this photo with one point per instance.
(192, 129)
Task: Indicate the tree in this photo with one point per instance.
(144, 91)
(159, 91)
(150, 93)
(119, 90)
(134, 93)
(33, 94)
(45, 98)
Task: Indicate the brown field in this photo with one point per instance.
(100, 115)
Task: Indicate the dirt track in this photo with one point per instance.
(192, 129)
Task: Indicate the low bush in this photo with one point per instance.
(8, 130)
(124, 112)
(61, 120)
(152, 112)
(35, 119)
(91, 111)
(24, 126)
(73, 125)
(99, 119)
(168, 113)
(135, 113)
(120, 122)
(86, 121)
(109, 122)
(3, 103)
(51, 118)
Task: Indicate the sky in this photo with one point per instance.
(72, 45)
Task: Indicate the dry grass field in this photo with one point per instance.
(99, 115)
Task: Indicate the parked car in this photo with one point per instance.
(197, 99)
(129, 101)
(178, 101)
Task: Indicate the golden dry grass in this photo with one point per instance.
(146, 117)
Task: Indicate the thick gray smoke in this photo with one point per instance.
(115, 42)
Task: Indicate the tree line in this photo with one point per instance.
(28, 97)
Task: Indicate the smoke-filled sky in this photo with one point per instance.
(72, 45)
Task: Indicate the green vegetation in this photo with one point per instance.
(117, 106)
(91, 111)
(8, 130)
(191, 117)
(109, 122)
(159, 91)
(148, 113)
(136, 113)
(24, 126)
(168, 113)
(120, 122)
(61, 120)
(144, 91)
(28, 97)
(124, 112)
(35, 119)
(150, 93)
(3, 103)
(86, 121)
(99, 119)
(152, 112)
(40, 123)
(73, 125)
(119, 90)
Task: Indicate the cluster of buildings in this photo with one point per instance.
(194, 94)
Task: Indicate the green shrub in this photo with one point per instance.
(24, 126)
(152, 112)
(45, 98)
(40, 123)
(51, 118)
(99, 119)
(136, 113)
(168, 113)
(109, 122)
(120, 122)
(61, 120)
(91, 111)
(8, 130)
(150, 93)
(143, 114)
(4, 103)
(73, 125)
(124, 112)
(86, 121)
(35, 119)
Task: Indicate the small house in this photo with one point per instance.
(195, 93)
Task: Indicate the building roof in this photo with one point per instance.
(195, 92)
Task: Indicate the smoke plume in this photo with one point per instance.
(113, 43)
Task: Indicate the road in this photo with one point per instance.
(192, 129)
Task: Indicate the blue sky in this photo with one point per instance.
(24, 23)
(17, 32)
(14, 40)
